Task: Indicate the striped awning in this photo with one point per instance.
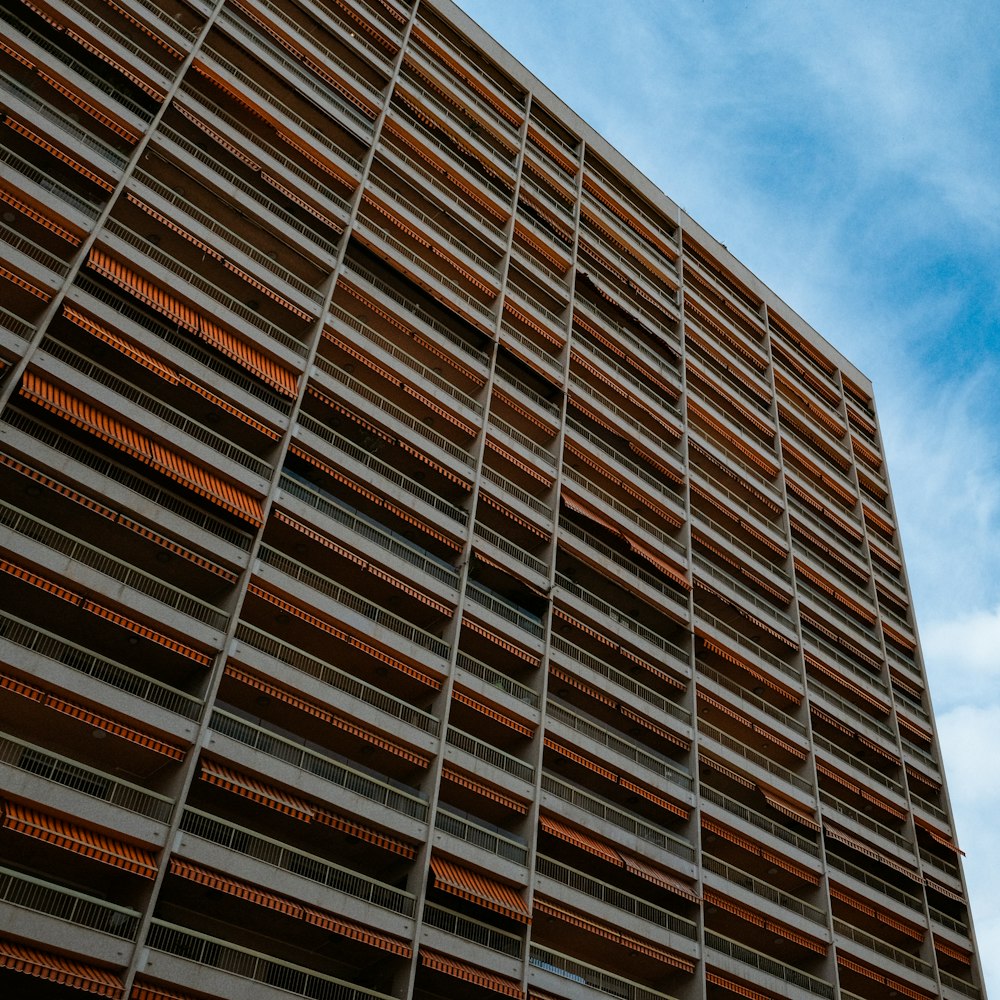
(366, 833)
(256, 791)
(140, 446)
(56, 969)
(73, 837)
(655, 874)
(471, 974)
(731, 986)
(790, 807)
(871, 852)
(449, 773)
(479, 889)
(579, 838)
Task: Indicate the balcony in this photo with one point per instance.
(476, 932)
(491, 840)
(557, 968)
(198, 961)
(869, 943)
(768, 972)
(608, 815)
(759, 761)
(876, 886)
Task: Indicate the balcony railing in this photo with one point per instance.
(62, 122)
(666, 770)
(492, 476)
(874, 882)
(849, 709)
(873, 773)
(338, 679)
(473, 930)
(883, 948)
(99, 668)
(488, 839)
(498, 679)
(760, 704)
(746, 594)
(242, 963)
(78, 908)
(355, 521)
(510, 549)
(589, 975)
(770, 966)
(758, 651)
(383, 469)
(507, 610)
(109, 566)
(754, 818)
(933, 861)
(615, 816)
(240, 840)
(620, 678)
(491, 755)
(960, 985)
(748, 753)
(764, 889)
(150, 493)
(626, 621)
(394, 350)
(322, 765)
(610, 895)
(863, 819)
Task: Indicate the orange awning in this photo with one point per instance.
(871, 852)
(142, 991)
(790, 807)
(257, 791)
(734, 987)
(751, 846)
(448, 773)
(655, 874)
(349, 929)
(56, 969)
(234, 887)
(471, 974)
(366, 833)
(71, 837)
(479, 889)
(492, 713)
(751, 916)
(140, 446)
(578, 838)
(655, 727)
(727, 771)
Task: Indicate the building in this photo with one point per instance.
(432, 565)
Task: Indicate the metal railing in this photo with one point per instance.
(500, 606)
(320, 764)
(771, 966)
(333, 677)
(349, 599)
(763, 889)
(908, 900)
(214, 953)
(897, 955)
(757, 651)
(86, 780)
(756, 819)
(240, 840)
(99, 668)
(78, 908)
(621, 818)
(497, 678)
(589, 975)
(383, 469)
(671, 773)
(115, 569)
(620, 678)
(863, 819)
(873, 773)
(492, 840)
(761, 704)
(620, 618)
(113, 472)
(494, 477)
(510, 549)
(491, 755)
(368, 528)
(611, 895)
(748, 753)
(473, 930)
(392, 348)
(157, 408)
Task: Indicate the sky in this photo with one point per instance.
(848, 153)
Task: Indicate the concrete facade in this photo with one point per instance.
(432, 565)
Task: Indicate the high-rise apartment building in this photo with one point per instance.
(432, 565)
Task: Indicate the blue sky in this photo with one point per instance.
(848, 153)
